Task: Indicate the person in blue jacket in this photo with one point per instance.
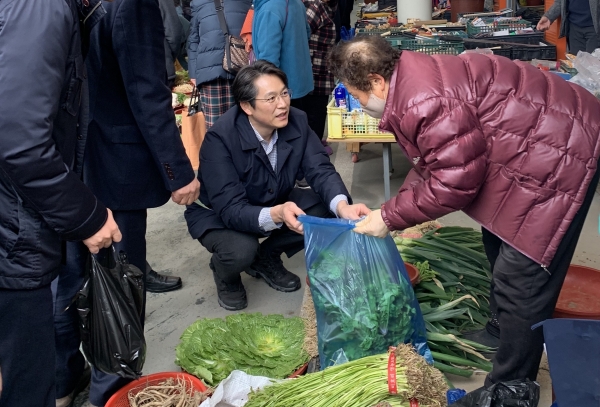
(206, 48)
(280, 34)
(249, 162)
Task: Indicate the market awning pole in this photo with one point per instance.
(420, 9)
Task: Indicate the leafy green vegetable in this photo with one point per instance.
(360, 383)
(425, 272)
(180, 98)
(261, 345)
(361, 313)
(181, 77)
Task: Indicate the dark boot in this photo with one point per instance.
(489, 336)
(270, 268)
(493, 326)
(232, 294)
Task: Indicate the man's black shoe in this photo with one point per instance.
(159, 283)
(270, 268)
(232, 295)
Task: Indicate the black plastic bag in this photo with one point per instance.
(517, 393)
(110, 304)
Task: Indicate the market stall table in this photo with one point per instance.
(386, 142)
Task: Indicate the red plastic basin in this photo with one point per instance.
(121, 399)
(580, 294)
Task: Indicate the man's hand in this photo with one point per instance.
(103, 238)
(544, 24)
(188, 194)
(352, 212)
(372, 225)
(193, 81)
(288, 213)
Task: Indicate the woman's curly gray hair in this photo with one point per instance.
(352, 61)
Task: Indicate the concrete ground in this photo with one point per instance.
(172, 251)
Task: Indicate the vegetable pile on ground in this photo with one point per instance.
(453, 293)
(362, 382)
(363, 312)
(260, 345)
(169, 393)
(182, 77)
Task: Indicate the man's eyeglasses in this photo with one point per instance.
(283, 95)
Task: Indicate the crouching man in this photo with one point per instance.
(249, 163)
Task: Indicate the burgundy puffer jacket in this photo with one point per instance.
(515, 148)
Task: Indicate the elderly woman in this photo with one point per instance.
(513, 147)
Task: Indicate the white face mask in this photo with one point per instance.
(374, 106)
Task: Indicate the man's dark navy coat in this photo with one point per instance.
(237, 179)
(134, 156)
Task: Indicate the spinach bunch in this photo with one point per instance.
(361, 312)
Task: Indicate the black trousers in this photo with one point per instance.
(27, 348)
(233, 252)
(525, 294)
(315, 107)
(582, 39)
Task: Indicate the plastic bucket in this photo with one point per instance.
(121, 399)
(580, 294)
(573, 347)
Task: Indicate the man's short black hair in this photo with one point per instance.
(243, 88)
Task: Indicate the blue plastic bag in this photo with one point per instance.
(364, 300)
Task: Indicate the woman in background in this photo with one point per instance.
(206, 48)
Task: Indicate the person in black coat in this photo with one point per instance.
(42, 199)
(174, 37)
(249, 163)
(134, 157)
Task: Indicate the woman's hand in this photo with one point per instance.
(372, 225)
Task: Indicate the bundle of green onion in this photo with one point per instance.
(361, 383)
(453, 294)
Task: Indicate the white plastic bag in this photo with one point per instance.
(588, 71)
(234, 390)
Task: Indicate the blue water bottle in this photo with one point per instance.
(339, 95)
